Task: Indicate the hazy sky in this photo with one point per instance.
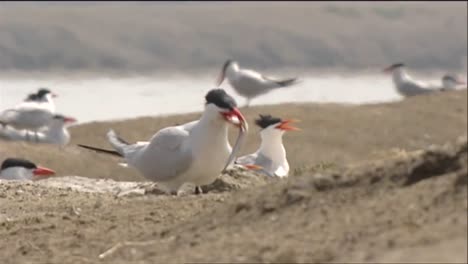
(148, 37)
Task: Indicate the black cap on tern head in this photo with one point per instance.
(16, 162)
(396, 65)
(267, 120)
(221, 99)
(42, 92)
(32, 97)
(448, 77)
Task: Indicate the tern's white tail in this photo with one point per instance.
(118, 143)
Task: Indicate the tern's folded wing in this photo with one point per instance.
(247, 159)
(167, 155)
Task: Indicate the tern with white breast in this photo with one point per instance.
(405, 85)
(195, 152)
(249, 83)
(22, 169)
(55, 133)
(33, 113)
(270, 158)
(450, 82)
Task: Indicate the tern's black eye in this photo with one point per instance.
(15, 162)
(267, 120)
(221, 99)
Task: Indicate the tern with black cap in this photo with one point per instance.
(405, 85)
(270, 158)
(249, 83)
(195, 152)
(22, 169)
(33, 113)
(450, 82)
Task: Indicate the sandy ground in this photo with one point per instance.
(374, 183)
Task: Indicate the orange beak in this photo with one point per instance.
(70, 120)
(41, 171)
(286, 126)
(388, 69)
(253, 167)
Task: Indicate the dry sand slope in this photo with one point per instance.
(367, 185)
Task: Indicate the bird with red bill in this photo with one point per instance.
(270, 157)
(195, 152)
(22, 169)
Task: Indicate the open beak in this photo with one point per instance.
(253, 167)
(236, 118)
(41, 171)
(286, 126)
(69, 120)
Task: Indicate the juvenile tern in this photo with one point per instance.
(21, 169)
(270, 158)
(249, 83)
(195, 152)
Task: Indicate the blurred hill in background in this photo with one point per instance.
(148, 37)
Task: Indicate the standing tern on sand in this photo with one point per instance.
(32, 114)
(21, 169)
(270, 158)
(450, 82)
(405, 85)
(249, 83)
(55, 133)
(195, 152)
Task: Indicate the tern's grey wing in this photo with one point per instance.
(257, 159)
(412, 88)
(167, 155)
(28, 118)
(249, 83)
(264, 161)
(247, 159)
(9, 133)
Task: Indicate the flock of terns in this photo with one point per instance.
(195, 152)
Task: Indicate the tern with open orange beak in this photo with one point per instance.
(21, 169)
(270, 158)
(195, 152)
